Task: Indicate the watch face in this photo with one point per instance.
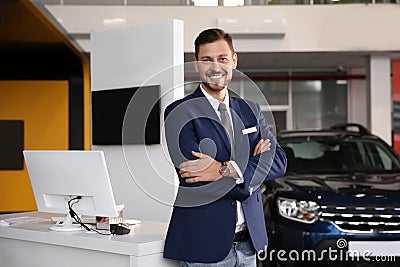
(224, 171)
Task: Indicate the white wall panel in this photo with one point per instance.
(128, 57)
(357, 99)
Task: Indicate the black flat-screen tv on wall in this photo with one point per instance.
(126, 116)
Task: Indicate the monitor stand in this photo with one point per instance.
(67, 225)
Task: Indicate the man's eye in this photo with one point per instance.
(223, 59)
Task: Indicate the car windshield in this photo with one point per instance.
(322, 154)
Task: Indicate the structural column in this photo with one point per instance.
(379, 107)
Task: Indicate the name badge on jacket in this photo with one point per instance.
(249, 130)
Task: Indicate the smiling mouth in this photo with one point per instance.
(216, 76)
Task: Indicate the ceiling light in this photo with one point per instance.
(115, 22)
(341, 82)
(233, 2)
(205, 2)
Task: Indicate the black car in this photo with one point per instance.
(339, 199)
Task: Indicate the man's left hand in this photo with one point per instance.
(202, 169)
(262, 146)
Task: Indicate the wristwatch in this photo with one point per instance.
(224, 170)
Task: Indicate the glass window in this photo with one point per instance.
(319, 104)
(332, 154)
(386, 161)
(235, 88)
(279, 121)
(366, 155)
(275, 92)
(190, 87)
(93, 2)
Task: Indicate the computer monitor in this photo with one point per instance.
(57, 176)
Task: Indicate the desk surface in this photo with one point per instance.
(145, 238)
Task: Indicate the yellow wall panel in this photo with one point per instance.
(43, 106)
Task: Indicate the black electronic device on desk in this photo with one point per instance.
(119, 229)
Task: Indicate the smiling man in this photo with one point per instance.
(222, 150)
(214, 62)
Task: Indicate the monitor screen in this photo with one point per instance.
(126, 116)
(57, 176)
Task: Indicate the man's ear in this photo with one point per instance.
(235, 60)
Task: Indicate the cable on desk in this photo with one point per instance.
(77, 219)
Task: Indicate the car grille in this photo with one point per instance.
(363, 219)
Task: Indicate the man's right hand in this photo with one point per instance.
(202, 169)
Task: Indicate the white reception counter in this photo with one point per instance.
(33, 244)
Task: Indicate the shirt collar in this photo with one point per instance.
(214, 102)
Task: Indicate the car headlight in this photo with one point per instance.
(298, 210)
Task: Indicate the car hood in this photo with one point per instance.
(354, 188)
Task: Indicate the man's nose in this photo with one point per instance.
(215, 66)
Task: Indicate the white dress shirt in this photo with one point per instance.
(241, 222)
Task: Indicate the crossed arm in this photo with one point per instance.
(206, 169)
(197, 168)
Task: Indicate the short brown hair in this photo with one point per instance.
(210, 36)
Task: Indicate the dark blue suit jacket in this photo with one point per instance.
(203, 221)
